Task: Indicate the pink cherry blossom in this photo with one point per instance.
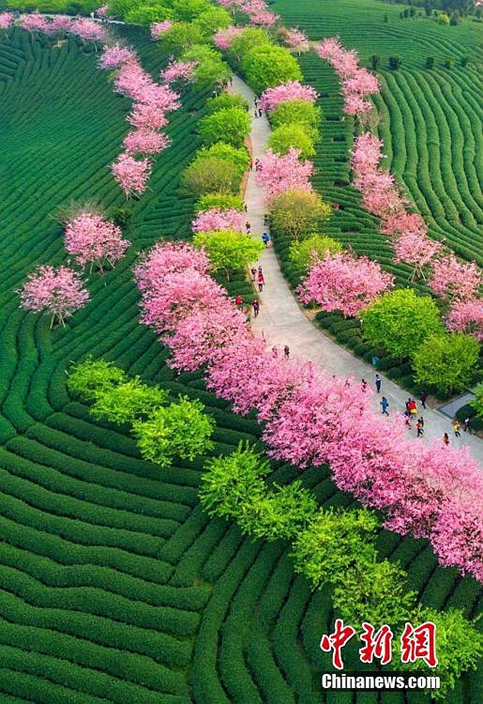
(452, 279)
(90, 238)
(131, 174)
(404, 223)
(178, 71)
(342, 282)
(145, 141)
(279, 173)
(164, 258)
(59, 291)
(116, 55)
(35, 22)
(330, 48)
(296, 39)
(6, 20)
(417, 250)
(59, 24)
(147, 117)
(367, 153)
(354, 104)
(102, 11)
(467, 316)
(362, 82)
(216, 219)
(224, 37)
(293, 90)
(132, 80)
(160, 28)
(88, 30)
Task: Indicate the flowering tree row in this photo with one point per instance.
(309, 418)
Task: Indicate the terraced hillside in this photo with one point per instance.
(115, 586)
(430, 118)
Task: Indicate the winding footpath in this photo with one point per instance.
(282, 321)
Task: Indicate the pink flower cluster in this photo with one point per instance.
(6, 20)
(293, 90)
(90, 238)
(356, 82)
(216, 219)
(178, 71)
(160, 28)
(224, 37)
(279, 173)
(297, 40)
(256, 10)
(310, 419)
(59, 291)
(102, 11)
(87, 30)
(455, 280)
(467, 316)
(344, 282)
(131, 174)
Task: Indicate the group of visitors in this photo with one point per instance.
(258, 112)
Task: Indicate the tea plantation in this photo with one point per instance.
(115, 586)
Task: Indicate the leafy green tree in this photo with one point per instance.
(447, 362)
(443, 19)
(92, 378)
(188, 10)
(146, 14)
(477, 402)
(128, 401)
(449, 62)
(430, 62)
(267, 66)
(465, 60)
(400, 321)
(226, 100)
(301, 112)
(229, 125)
(227, 250)
(301, 252)
(211, 174)
(395, 62)
(247, 40)
(181, 429)
(298, 213)
(375, 60)
(239, 157)
(210, 69)
(291, 135)
(182, 36)
(213, 19)
(221, 201)
(334, 542)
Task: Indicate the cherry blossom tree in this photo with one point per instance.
(367, 153)
(59, 291)
(455, 280)
(160, 28)
(342, 282)
(216, 219)
(178, 71)
(6, 21)
(90, 238)
(59, 24)
(167, 258)
(280, 173)
(88, 30)
(224, 37)
(33, 23)
(404, 223)
(131, 174)
(293, 90)
(102, 11)
(296, 39)
(115, 56)
(145, 141)
(416, 250)
(467, 316)
(147, 117)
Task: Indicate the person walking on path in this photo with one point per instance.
(422, 397)
(256, 307)
(248, 227)
(445, 440)
(456, 428)
(286, 351)
(378, 382)
(274, 352)
(420, 428)
(261, 281)
(363, 386)
(239, 300)
(266, 239)
(467, 425)
(412, 408)
(253, 272)
(384, 405)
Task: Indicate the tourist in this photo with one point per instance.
(384, 405)
(286, 351)
(467, 425)
(239, 300)
(261, 281)
(422, 397)
(274, 352)
(412, 408)
(266, 239)
(256, 307)
(253, 272)
(248, 227)
(378, 381)
(445, 440)
(456, 428)
(419, 428)
(363, 386)
(260, 270)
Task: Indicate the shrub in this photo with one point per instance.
(239, 157)
(128, 401)
(246, 41)
(395, 62)
(226, 100)
(443, 18)
(297, 213)
(449, 62)
(181, 429)
(430, 62)
(89, 379)
(375, 60)
(283, 138)
(210, 69)
(301, 252)
(228, 125)
(267, 66)
(400, 321)
(477, 403)
(228, 250)
(210, 174)
(465, 60)
(212, 19)
(181, 36)
(220, 201)
(447, 362)
(300, 112)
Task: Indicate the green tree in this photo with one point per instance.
(128, 401)
(292, 135)
(210, 69)
(375, 60)
(220, 201)
(449, 62)
(226, 100)
(229, 125)
(146, 14)
(447, 362)
(213, 19)
(239, 157)
(181, 429)
(298, 213)
(188, 10)
(181, 36)
(301, 112)
(301, 252)
(227, 250)
(477, 402)
(430, 62)
(443, 19)
(91, 378)
(210, 174)
(395, 62)
(267, 66)
(246, 41)
(400, 321)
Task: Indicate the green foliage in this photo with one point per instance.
(292, 135)
(477, 402)
(219, 200)
(211, 174)
(267, 66)
(301, 252)
(146, 14)
(183, 36)
(298, 213)
(247, 40)
(395, 62)
(128, 401)
(181, 429)
(239, 157)
(443, 19)
(226, 100)
(91, 378)
(228, 250)
(400, 321)
(447, 362)
(229, 125)
(189, 10)
(301, 112)
(430, 62)
(449, 62)
(333, 543)
(210, 70)
(213, 19)
(375, 60)
(121, 216)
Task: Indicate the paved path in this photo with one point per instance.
(281, 320)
